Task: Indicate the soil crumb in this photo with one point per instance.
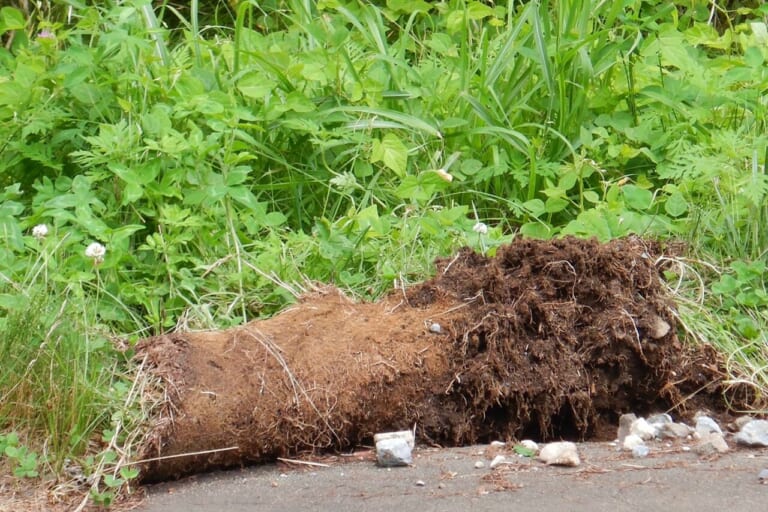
(547, 339)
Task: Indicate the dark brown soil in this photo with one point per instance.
(545, 340)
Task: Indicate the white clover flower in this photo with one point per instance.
(40, 231)
(480, 228)
(96, 252)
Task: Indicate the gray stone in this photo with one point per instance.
(711, 443)
(631, 441)
(674, 431)
(642, 429)
(625, 426)
(706, 425)
(660, 419)
(763, 475)
(640, 451)
(562, 453)
(531, 445)
(435, 328)
(753, 433)
(394, 448)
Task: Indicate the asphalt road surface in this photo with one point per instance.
(669, 479)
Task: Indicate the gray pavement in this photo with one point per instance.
(670, 479)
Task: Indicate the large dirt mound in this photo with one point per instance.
(546, 339)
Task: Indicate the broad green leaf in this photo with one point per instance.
(591, 196)
(556, 204)
(568, 180)
(411, 188)
(255, 85)
(274, 219)
(536, 230)
(636, 197)
(123, 232)
(478, 11)
(535, 207)
(409, 6)
(11, 19)
(297, 102)
(590, 223)
(392, 152)
(676, 205)
(753, 57)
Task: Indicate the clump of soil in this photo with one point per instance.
(547, 339)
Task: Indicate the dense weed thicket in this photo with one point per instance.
(167, 164)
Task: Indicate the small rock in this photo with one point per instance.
(640, 451)
(753, 433)
(441, 485)
(402, 434)
(530, 445)
(562, 453)
(625, 426)
(498, 444)
(763, 476)
(706, 425)
(499, 459)
(643, 429)
(674, 430)
(479, 464)
(686, 448)
(435, 328)
(631, 441)
(394, 448)
(420, 483)
(658, 328)
(660, 419)
(711, 443)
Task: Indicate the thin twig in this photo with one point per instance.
(303, 462)
(178, 455)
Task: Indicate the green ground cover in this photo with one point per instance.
(168, 165)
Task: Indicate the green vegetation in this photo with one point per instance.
(222, 150)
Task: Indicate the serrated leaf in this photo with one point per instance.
(392, 152)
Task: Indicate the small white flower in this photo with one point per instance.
(96, 252)
(480, 228)
(40, 231)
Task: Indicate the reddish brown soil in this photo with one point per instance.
(547, 339)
